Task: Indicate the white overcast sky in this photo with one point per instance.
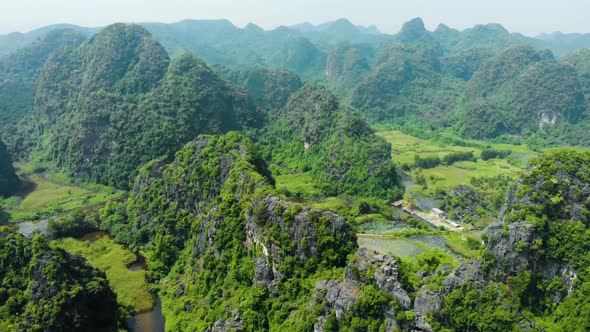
(526, 16)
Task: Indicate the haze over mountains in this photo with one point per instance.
(340, 30)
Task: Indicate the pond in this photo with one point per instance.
(383, 227)
(151, 321)
(397, 247)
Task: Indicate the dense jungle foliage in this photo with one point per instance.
(208, 223)
(198, 121)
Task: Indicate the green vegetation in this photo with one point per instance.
(130, 105)
(488, 154)
(19, 71)
(521, 91)
(559, 236)
(346, 66)
(258, 233)
(338, 149)
(196, 236)
(492, 177)
(45, 289)
(74, 225)
(9, 182)
(49, 198)
(269, 88)
(113, 259)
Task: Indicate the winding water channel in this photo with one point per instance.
(150, 321)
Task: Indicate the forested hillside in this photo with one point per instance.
(416, 78)
(9, 182)
(18, 80)
(270, 89)
(308, 178)
(534, 271)
(315, 134)
(117, 101)
(46, 289)
(216, 234)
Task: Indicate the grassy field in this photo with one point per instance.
(49, 197)
(406, 147)
(112, 258)
(301, 188)
(298, 184)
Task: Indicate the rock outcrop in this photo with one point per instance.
(464, 203)
(366, 268)
(305, 228)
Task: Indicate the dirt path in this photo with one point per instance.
(433, 219)
(374, 236)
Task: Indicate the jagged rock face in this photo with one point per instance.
(385, 274)
(552, 195)
(339, 295)
(427, 301)
(192, 185)
(227, 325)
(503, 241)
(471, 271)
(365, 268)
(210, 223)
(305, 228)
(464, 202)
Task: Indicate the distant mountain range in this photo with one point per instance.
(335, 31)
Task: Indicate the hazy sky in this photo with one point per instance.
(527, 16)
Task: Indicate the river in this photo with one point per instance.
(150, 321)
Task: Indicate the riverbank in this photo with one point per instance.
(104, 253)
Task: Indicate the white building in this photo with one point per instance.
(439, 213)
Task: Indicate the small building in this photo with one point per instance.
(454, 224)
(439, 213)
(398, 203)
